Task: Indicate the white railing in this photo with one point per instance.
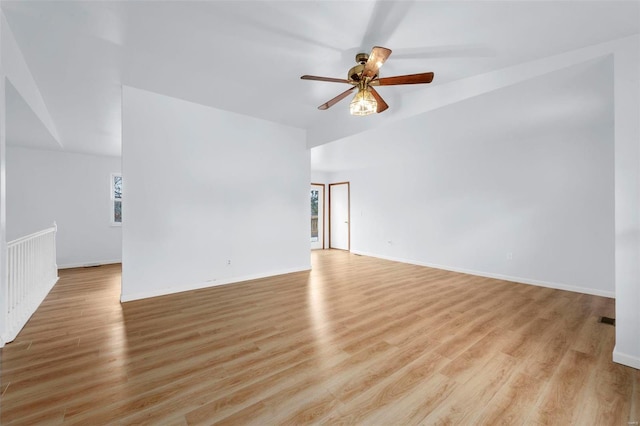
(32, 272)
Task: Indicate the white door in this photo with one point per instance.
(339, 215)
(317, 216)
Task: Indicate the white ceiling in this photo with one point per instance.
(247, 56)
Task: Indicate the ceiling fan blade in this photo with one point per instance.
(377, 57)
(425, 77)
(337, 99)
(386, 17)
(330, 79)
(382, 105)
(445, 51)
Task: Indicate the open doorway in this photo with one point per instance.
(339, 222)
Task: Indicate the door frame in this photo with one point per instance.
(324, 219)
(348, 213)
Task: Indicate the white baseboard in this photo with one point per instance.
(197, 286)
(624, 359)
(89, 264)
(520, 280)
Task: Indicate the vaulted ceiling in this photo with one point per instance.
(248, 56)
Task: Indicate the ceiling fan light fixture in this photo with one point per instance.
(363, 103)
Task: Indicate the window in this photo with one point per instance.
(116, 199)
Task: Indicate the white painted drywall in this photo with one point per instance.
(71, 189)
(4, 289)
(18, 72)
(627, 201)
(517, 183)
(205, 187)
(320, 177)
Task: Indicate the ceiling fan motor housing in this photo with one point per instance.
(362, 58)
(355, 73)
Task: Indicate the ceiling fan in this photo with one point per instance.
(363, 77)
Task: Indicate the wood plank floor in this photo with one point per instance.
(355, 341)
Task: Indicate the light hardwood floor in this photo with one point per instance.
(355, 341)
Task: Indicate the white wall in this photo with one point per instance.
(320, 177)
(18, 72)
(627, 199)
(3, 208)
(525, 171)
(205, 187)
(71, 189)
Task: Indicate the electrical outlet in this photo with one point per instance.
(509, 256)
(229, 262)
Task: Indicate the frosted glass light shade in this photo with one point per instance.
(363, 103)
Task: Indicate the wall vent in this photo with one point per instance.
(607, 320)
